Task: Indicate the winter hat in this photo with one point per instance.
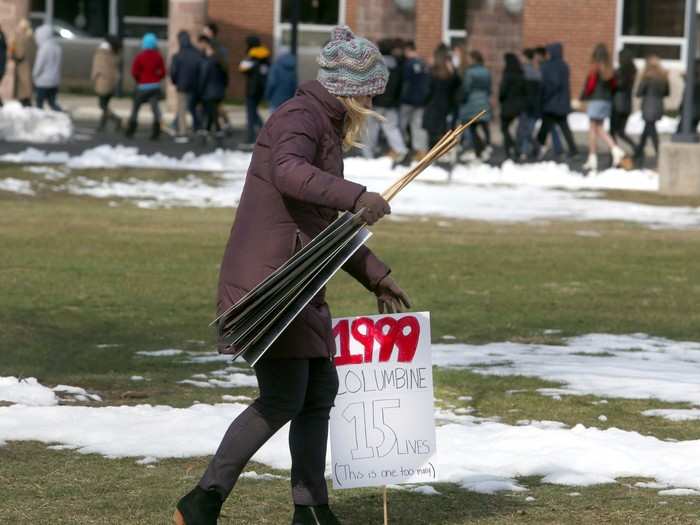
(149, 41)
(351, 66)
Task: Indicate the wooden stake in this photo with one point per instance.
(448, 141)
(386, 508)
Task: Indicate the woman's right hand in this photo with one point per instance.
(373, 205)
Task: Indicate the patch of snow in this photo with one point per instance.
(574, 494)
(148, 460)
(675, 414)
(602, 418)
(251, 474)
(232, 399)
(207, 357)
(160, 353)
(465, 398)
(30, 124)
(541, 424)
(229, 377)
(679, 492)
(136, 378)
(426, 490)
(510, 193)
(634, 366)
(530, 499)
(22, 187)
(448, 337)
(650, 485)
(26, 391)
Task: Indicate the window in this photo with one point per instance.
(317, 12)
(655, 27)
(144, 16)
(454, 22)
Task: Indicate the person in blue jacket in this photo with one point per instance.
(415, 88)
(556, 96)
(184, 73)
(281, 81)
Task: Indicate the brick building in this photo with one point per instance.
(492, 26)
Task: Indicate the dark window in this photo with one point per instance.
(150, 8)
(38, 5)
(663, 52)
(322, 12)
(654, 18)
(458, 14)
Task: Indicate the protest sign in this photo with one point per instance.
(382, 424)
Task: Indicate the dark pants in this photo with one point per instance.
(478, 142)
(44, 94)
(193, 107)
(511, 147)
(648, 133)
(148, 96)
(618, 123)
(211, 112)
(252, 117)
(298, 390)
(549, 121)
(107, 113)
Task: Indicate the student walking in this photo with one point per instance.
(653, 88)
(281, 82)
(415, 83)
(148, 69)
(444, 85)
(476, 89)
(213, 81)
(387, 105)
(625, 76)
(255, 67)
(23, 53)
(184, 74)
(105, 75)
(293, 190)
(533, 105)
(556, 97)
(512, 96)
(46, 72)
(598, 91)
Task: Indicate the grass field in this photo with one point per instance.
(76, 273)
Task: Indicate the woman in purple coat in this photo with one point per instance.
(293, 190)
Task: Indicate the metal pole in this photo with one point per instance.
(687, 134)
(296, 12)
(49, 12)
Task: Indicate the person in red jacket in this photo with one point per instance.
(148, 69)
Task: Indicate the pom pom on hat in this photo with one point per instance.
(351, 66)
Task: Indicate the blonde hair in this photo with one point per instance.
(355, 118)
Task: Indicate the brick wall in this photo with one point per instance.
(183, 15)
(11, 12)
(579, 28)
(428, 20)
(493, 31)
(376, 19)
(248, 17)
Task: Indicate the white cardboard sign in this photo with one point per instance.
(382, 425)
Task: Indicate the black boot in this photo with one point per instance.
(198, 507)
(131, 129)
(155, 131)
(313, 515)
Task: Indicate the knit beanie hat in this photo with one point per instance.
(351, 66)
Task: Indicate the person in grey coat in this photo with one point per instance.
(47, 68)
(653, 88)
(476, 90)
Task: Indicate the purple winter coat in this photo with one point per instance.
(294, 188)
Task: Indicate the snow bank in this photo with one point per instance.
(484, 456)
(20, 124)
(623, 366)
(28, 391)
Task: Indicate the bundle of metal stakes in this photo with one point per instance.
(251, 325)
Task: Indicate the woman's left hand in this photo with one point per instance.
(390, 298)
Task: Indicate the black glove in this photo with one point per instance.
(390, 298)
(375, 207)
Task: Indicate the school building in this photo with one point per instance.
(491, 26)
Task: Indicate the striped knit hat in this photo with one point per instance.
(351, 66)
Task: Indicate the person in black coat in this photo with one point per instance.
(513, 98)
(3, 57)
(184, 74)
(213, 81)
(444, 85)
(625, 76)
(255, 66)
(556, 96)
